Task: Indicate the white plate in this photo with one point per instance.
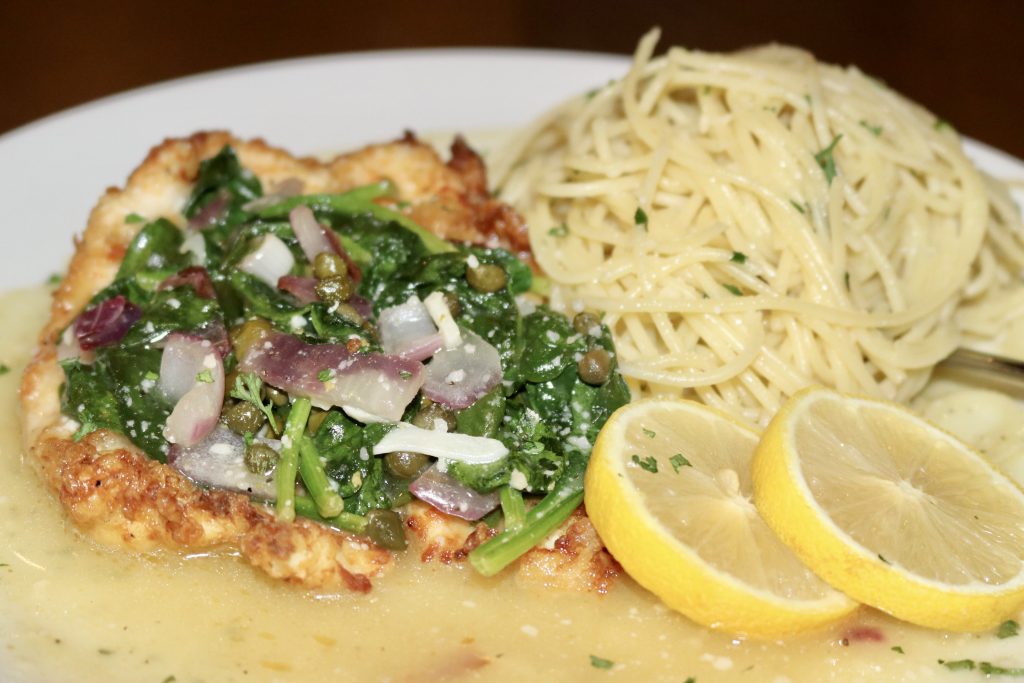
(52, 171)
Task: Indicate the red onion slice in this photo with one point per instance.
(192, 375)
(302, 288)
(219, 461)
(376, 383)
(311, 235)
(195, 277)
(458, 376)
(316, 239)
(270, 261)
(106, 323)
(211, 213)
(407, 330)
(451, 496)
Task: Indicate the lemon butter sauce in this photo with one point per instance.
(73, 610)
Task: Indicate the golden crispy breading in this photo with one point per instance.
(118, 495)
(574, 559)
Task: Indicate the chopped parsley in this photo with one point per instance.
(559, 230)
(897, 648)
(882, 558)
(247, 388)
(796, 205)
(54, 279)
(640, 218)
(874, 130)
(826, 160)
(990, 669)
(959, 664)
(134, 218)
(151, 376)
(404, 374)
(1008, 629)
(738, 257)
(846, 279)
(987, 668)
(942, 124)
(325, 375)
(650, 433)
(105, 651)
(734, 289)
(649, 463)
(601, 662)
(205, 376)
(4, 369)
(679, 461)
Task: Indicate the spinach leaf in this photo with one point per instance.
(260, 299)
(156, 247)
(89, 398)
(222, 176)
(346, 447)
(550, 345)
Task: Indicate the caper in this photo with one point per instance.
(595, 366)
(451, 299)
(244, 418)
(349, 312)
(406, 465)
(327, 264)
(316, 418)
(430, 412)
(585, 321)
(486, 277)
(246, 336)
(260, 458)
(275, 396)
(384, 527)
(336, 289)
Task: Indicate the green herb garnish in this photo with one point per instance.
(959, 664)
(738, 257)
(648, 463)
(640, 218)
(205, 376)
(134, 218)
(678, 461)
(734, 289)
(897, 648)
(4, 369)
(325, 375)
(601, 662)
(799, 207)
(1008, 629)
(827, 161)
(559, 230)
(650, 434)
(247, 388)
(874, 130)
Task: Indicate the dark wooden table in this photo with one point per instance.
(964, 61)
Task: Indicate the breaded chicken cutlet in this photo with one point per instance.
(117, 494)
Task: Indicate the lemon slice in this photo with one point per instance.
(668, 489)
(893, 511)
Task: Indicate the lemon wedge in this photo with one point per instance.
(668, 489)
(893, 511)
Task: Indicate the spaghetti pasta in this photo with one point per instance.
(757, 222)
